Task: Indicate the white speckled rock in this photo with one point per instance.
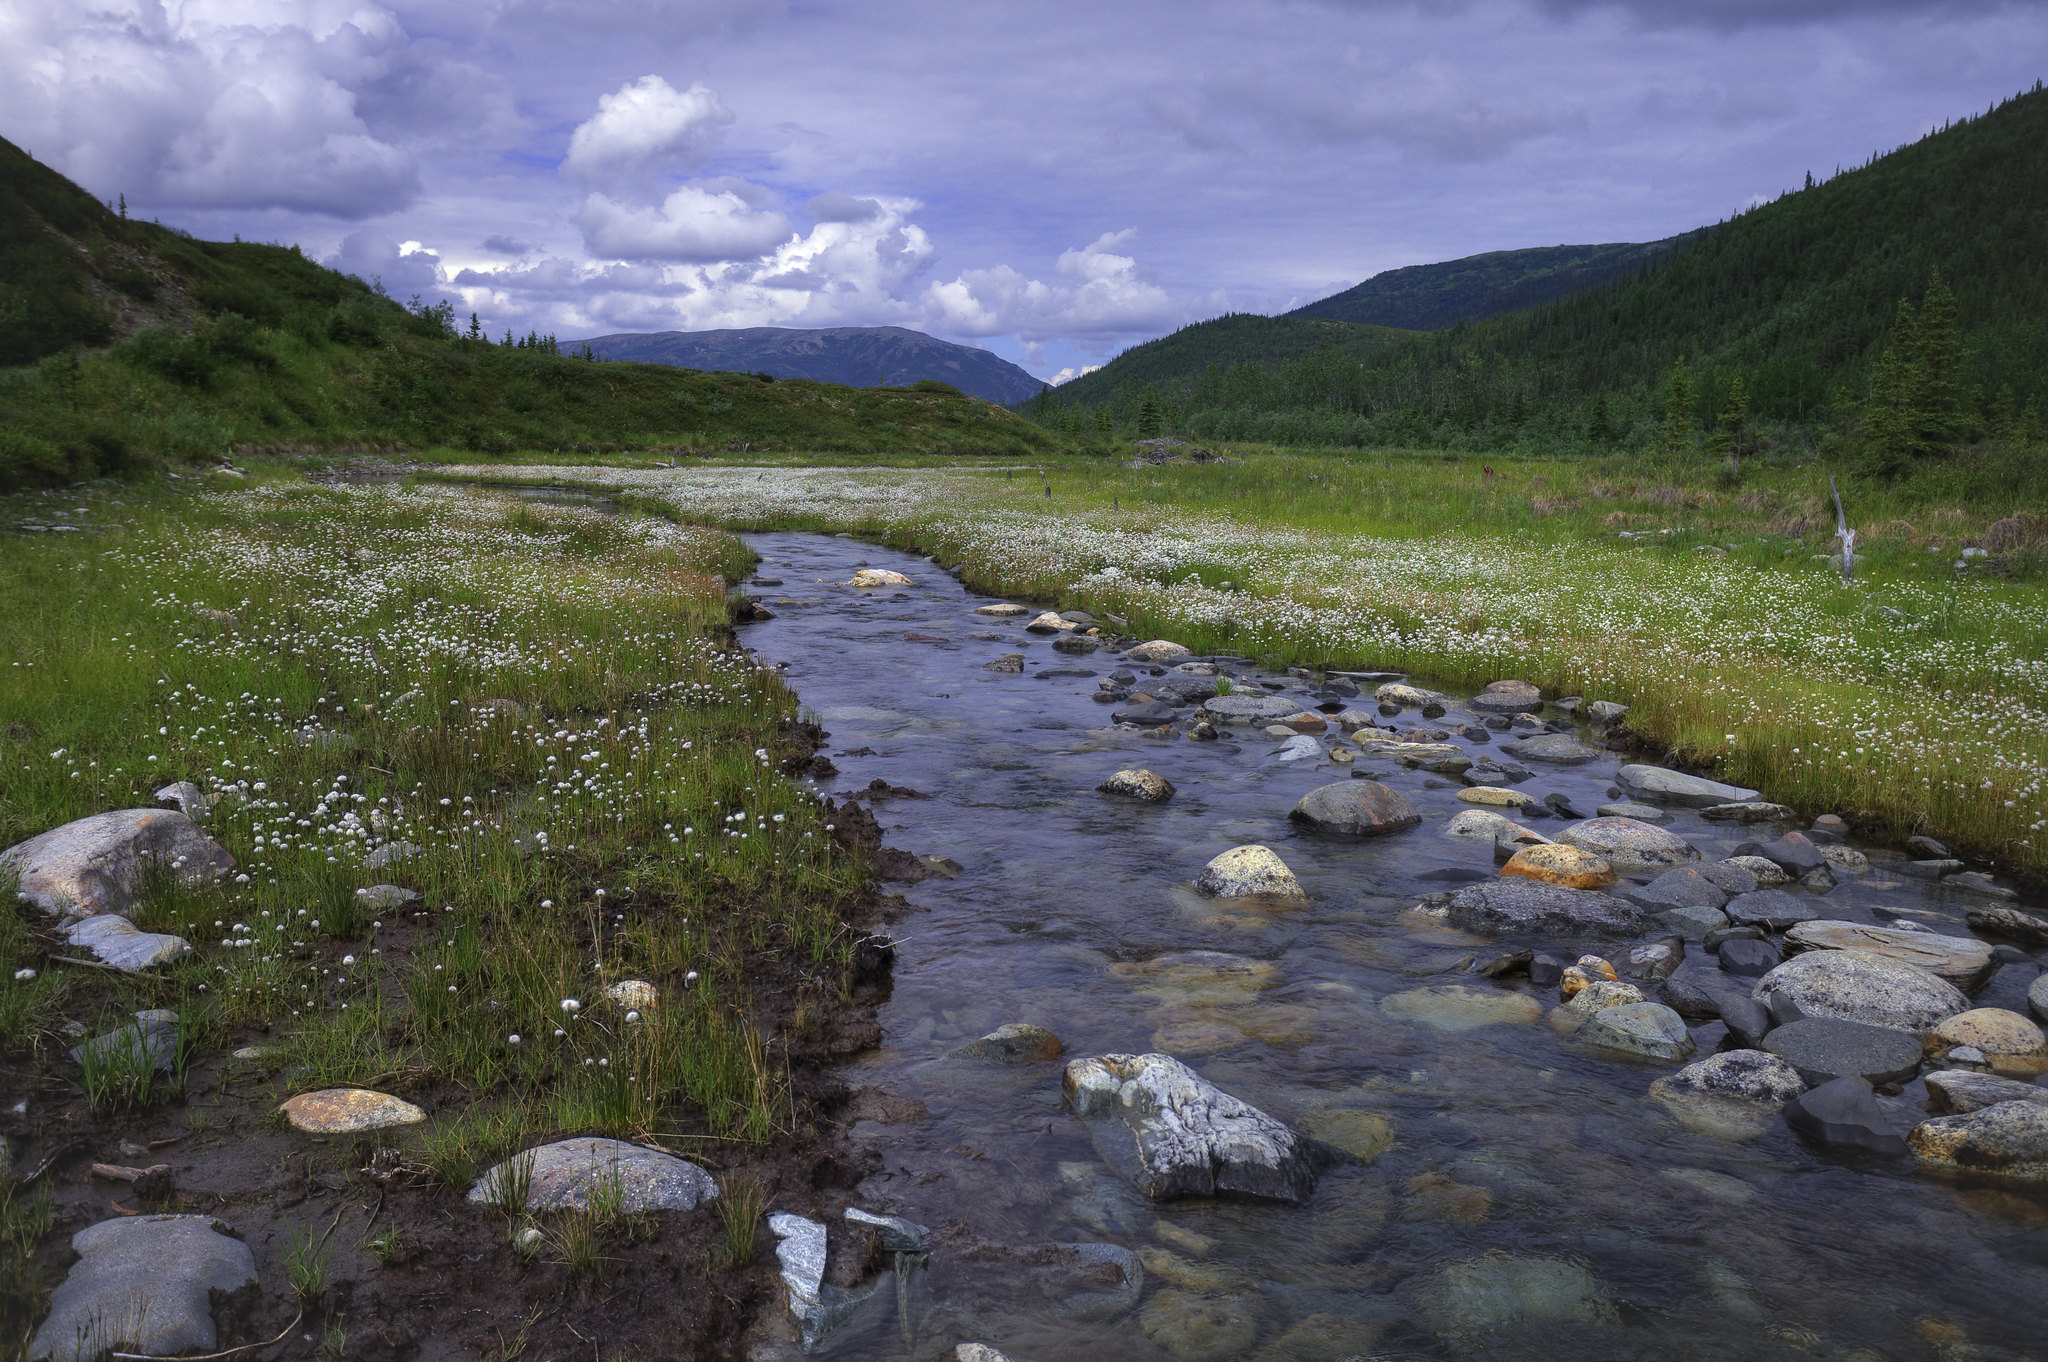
(1963, 961)
(564, 1175)
(96, 864)
(878, 577)
(1247, 870)
(1854, 987)
(1158, 650)
(1630, 846)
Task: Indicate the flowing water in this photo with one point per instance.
(1534, 1201)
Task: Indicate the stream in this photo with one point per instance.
(1535, 1200)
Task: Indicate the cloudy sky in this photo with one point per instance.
(1054, 181)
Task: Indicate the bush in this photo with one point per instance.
(27, 460)
(934, 385)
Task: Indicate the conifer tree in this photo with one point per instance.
(1938, 365)
(1148, 414)
(1104, 423)
(1891, 418)
(1600, 430)
(1731, 429)
(1676, 435)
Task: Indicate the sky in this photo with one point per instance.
(1052, 181)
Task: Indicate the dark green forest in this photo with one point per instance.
(1798, 299)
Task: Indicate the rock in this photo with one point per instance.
(1772, 908)
(816, 1307)
(1495, 796)
(1356, 808)
(1158, 650)
(979, 1352)
(1462, 1007)
(1763, 874)
(1364, 1135)
(1304, 722)
(1754, 811)
(1844, 1112)
(1955, 1091)
(1629, 846)
(97, 864)
(1406, 697)
(1559, 749)
(1507, 697)
(1149, 713)
(1926, 846)
(1748, 958)
(1174, 1134)
(1523, 906)
(1247, 870)
(1500, 966)
(1656, 785)
(1565, 865)
(1050, 623)
(1963, 961)
(1441, 757)
(1852, 986)
(1478, 825)
(185, 797)
(151, 1038)
(637, 994)
(1977, 882)
(1149, 786)
(1826, 1048)
(1593, 997)
(1925, 870)
(1014, 1043)
(878, 577)
(1688, 887)
(2010, 922)
(1200, 978)
(386, 896)
(1198, 1328)
(1466, 1301)
(1076, 643)
(1648, 1029)
(2037, 996)
(1588, 969)
(1737, 1075)
(144, 1284)
(1642, 813)
(2007, 1141)
(347, 1111)
(1011, 663)
(2009, 1042)
(1794, 853)
(1003, 610)
(1654, 961)
(1844, 858)
(1352, 720)
(118, 942)
(1747, 1020)
(1237, 708)
(893, 1233)
(564, 1174)
(1688, 1000)
(391, 853)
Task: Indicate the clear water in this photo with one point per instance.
(1509, 1140)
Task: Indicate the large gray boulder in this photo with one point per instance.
(1248, 870)
(1507, 697)
(1823, 1049)
(1356, 808)
(143, 1285)
(1647, 1030)
(1772, 908)
(1963, 961)
(1248, 709)
(2007, 1141)
(1738, 1075)
(1559, 749)
(97, 864)
(1631, 847)
(151, 1041)
(1845, 1113)
(1525, 907)
(1859, 988)
(1656, 785)
(2037, 997)
(563, 1175)
(1172, 1133)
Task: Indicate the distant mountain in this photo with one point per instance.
(858, 356)
(1432, 297)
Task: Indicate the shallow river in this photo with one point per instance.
(1530, 1178)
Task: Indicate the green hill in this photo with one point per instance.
(1432, 297)
(858, 356)
(130, 344)
(1796, 297)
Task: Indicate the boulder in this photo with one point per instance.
(1737, 1075)
(97, 864)
(1851, 986)
(1954, 1091)
(1747, 1020)
(185, 797)
(348, 1111)
(1687, 888)
(1507, 697)
(1772, 908)
(1525, 907)
(1748, 958)
(381, 896)
(1442, 757)
(1158, 650)
(2007, 1141)
(1009, 663)
(1462, 1007)
(1763, 874)
(1150, 713)
(1688, 1000)
(1465, 1302)
(1494, 796)
(1238, 708)
(1559, 749)
(1794, 853)
(1629, 846)
(1149, 786)
(1014, 1043)
(563, 1175)
(1656, 785)
(1963, 961)
(1479, 825)
(1844, 1113)
(878, 577)
(1753, 811)
(2037, 996)
(145, 1285)
(817, 1306)
(118, 942)
(1654, 961)
(1003, 610)
(1825, 1048)
(1050, 623)
(150, 1039)
(1650, 1030)
(1728, 876)
(2009, 1042)
(1247, 870)
(1298, 748)
(1642, 813)
(1356, 808)
(1565, 865)
(1172, 1133)
(1589, 999)
(1406, 697)
(2009, 922)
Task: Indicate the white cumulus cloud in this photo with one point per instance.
(696, 223)
(1108, 294)
(645, 130)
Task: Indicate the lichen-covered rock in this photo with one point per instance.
(563, 1175)
(1523, 906)
(1559, 749)
(1408, 697)
(1631, 847)
(143, 1285)
(1237, 708)
(1772, 908)
(878, 577)
(96, 864)
(1158, 650)
(1650, 1030)
(346, 1111)
(1494, 795)
(1356, 808)
(1565, 865)
(1507, 697)
(1013, 1043)
(1244, 871)
(2007, 1141)
(1955, 1091)
(1963, 961)
(1172, 1133)
(1138, 783)
(1737, 1075)
(1050, 622)
(1854, 987)
(1479, 825)
(2011, 1043)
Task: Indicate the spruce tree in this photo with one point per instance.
(1676, 435)
(1938, 366)
(1148, 415)
(1600, 430)
(1731, 429)
(1104, 425)
(1891, 418)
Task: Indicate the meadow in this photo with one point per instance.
(532, 715)
(1915, 699)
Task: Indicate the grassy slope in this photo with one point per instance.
(1431, 297)
(1795, 295)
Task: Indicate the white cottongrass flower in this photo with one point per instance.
(571, 1006)
(22, 976)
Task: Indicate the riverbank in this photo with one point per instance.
(1912, 702)
(492, 818)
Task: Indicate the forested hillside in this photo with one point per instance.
(132, 344)
(1799, 299)
(858, 356)
(1432, 297)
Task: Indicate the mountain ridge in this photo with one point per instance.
(858, 356)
